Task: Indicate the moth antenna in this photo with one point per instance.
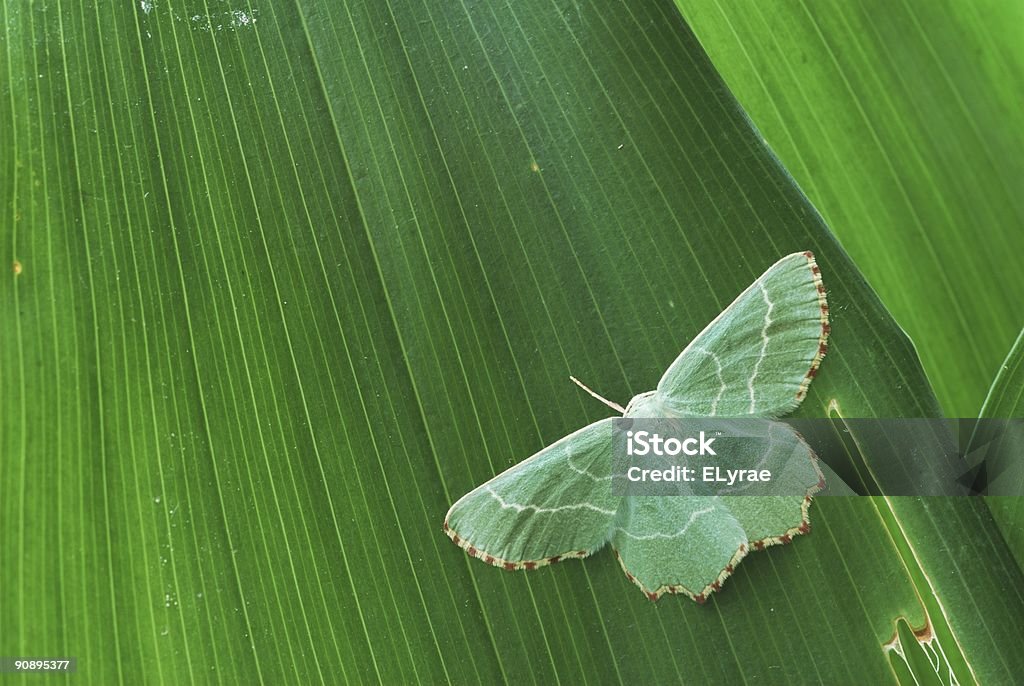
(609, 403)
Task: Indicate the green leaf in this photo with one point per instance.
(901, 121)
(1006, 468)
(291, 277)
(967, 580)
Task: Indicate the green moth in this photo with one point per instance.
(756, 359)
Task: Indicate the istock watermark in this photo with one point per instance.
(648, 443)
(711, 457)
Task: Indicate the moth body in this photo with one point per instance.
(645, 405)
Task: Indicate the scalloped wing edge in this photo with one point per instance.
(801, 392)
(513, 565)
(741, 552)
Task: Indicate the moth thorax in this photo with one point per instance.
(643, 405)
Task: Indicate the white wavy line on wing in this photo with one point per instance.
(648, 537)
(568, 460)
(764, 345)
(721, 379)
(546, 510)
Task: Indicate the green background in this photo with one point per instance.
(293, 277)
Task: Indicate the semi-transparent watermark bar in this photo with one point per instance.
(799, 457)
